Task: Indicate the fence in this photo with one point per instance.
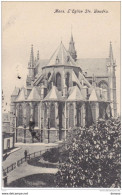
(10, 168)
(35, 154)
(22, 160)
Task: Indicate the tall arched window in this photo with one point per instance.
(36, 115)
(71, 115)
(20, 115)
(48, 75)
(45, 115)
(67, 79)
(28, 110)
(58, 81)
(104, 86)
(52, 115)
(78, 114)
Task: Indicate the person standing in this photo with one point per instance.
(25, 153)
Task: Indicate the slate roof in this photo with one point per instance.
(53, 95)
(34, 95)
(75, 94)
(16, 91)
(96, 66)
(22, 95)
(42, 63)
(61, 57)
(94, 97)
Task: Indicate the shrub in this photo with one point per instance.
(51, 155)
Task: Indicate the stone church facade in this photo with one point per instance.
(62, 93)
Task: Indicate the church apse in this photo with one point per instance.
(59, 95)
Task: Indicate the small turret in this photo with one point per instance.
(72, 50)
(37, 55)
(111, 58)
(112, 81)
(31, 68)
(31, 62)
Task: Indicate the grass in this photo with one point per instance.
(40, 162)
(36, 180)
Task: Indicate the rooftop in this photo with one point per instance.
(61, 57)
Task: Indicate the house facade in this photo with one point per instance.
(61, 93)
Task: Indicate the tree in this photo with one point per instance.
(91, 156)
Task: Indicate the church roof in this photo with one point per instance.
(22, 95)
(61, 57)
(53, 95)
(34, 95)
(16, 91)
(71, 45)
(41, 63)
(96, 66)
(94, 97)
(75, 95)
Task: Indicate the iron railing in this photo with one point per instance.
(22, 160)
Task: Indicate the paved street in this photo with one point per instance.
(33, 147)
(26, 170)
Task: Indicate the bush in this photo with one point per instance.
(52, 155)
(91, 156)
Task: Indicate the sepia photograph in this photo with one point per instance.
(61, 117)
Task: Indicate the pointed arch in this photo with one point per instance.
(20, 115)
(78, 114)
(52, 115)
(45, 115)
(67, 80)
(28, 111)
(58, 81)
(104, 85)
(36, 114)
(71, 115)
(48, 76)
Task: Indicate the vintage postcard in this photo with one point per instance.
(61, 125)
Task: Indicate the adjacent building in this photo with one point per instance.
(7, 136)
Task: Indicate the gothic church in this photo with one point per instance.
(61, 93)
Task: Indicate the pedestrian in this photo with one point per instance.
(25, 153)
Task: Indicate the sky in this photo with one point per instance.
(26, 23)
